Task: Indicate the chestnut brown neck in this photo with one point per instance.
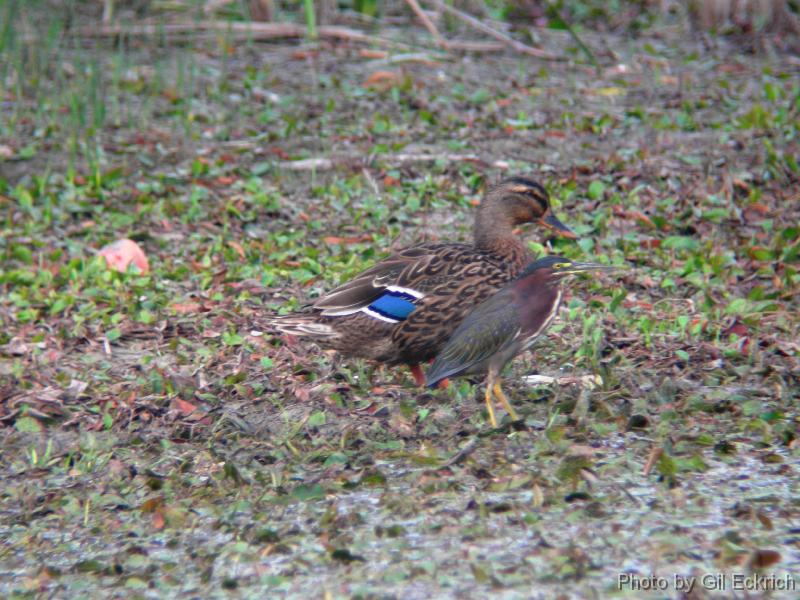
(539, 295)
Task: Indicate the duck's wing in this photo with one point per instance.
(396, 282)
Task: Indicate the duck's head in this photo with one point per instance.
(516, 201)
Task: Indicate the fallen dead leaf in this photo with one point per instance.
(652, 459)
(152, 504)
(238, 247)
(383, 80)
(761, 559)
(606, 91)
(280, 153)
(367, 53)
(121, 254)
(158, 520)
(642, 218)
(302, 393)
(184, 407)
(185, 308)
(333, 239)
(304, 54)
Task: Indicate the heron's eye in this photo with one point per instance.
(562, 265)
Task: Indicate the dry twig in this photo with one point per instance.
(464, 452)
(256, 31)
(498, 35)
(426, 21)
(326, 164)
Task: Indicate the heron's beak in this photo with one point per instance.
(578, 267)
(551, 222)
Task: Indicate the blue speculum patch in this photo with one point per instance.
(394, 305)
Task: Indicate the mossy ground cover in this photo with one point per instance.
(158, 440)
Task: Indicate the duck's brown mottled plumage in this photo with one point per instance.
(446, 280)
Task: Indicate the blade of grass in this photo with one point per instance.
(554, 12)
(311, 21)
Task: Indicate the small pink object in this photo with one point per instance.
(120, 254)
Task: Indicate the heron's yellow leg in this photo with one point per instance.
(489, 407)
(498, 392)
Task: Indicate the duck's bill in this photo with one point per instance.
(551, 222)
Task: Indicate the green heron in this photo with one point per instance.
(402, 309)
(506, 325)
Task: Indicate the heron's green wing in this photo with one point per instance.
(486, 330)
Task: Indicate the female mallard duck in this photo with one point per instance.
(506, 325)
(403, 309)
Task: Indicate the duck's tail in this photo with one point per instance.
(309, 326)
